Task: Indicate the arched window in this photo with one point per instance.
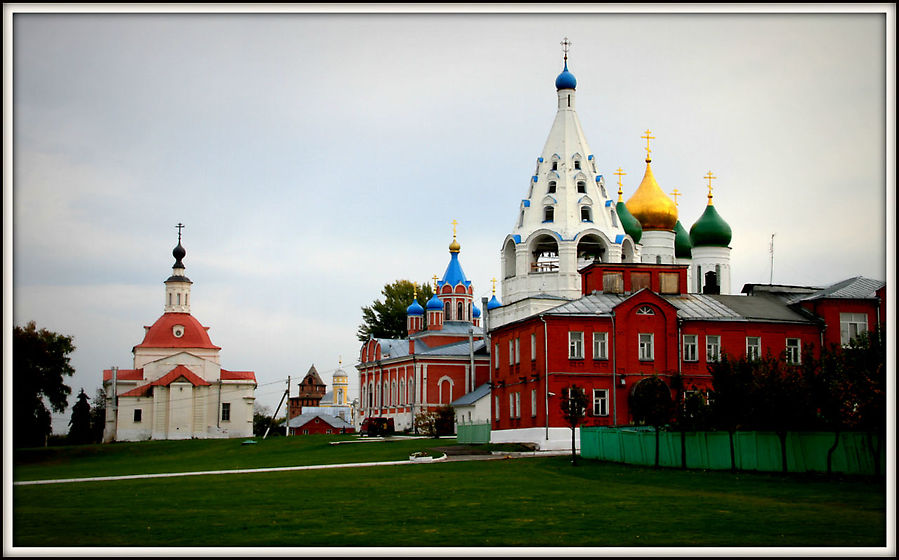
(548, 213)
(552, 187)
(586, 216)
(459, 315)
(581, 186)
(555, 165)
(446, 311)
(577, 164)
(614, 216)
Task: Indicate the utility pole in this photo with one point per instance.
(272, 421)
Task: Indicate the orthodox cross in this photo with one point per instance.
(435, 283)
(494, 284)
(709, 176)
(179, 226)
(565, 45)
(455, 223)
(676, 193)
(648, 138)
(619, 173)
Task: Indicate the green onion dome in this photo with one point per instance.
(630, 224)
(683, 247)
(710, 229)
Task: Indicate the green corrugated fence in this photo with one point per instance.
(473, 433)
(753, 451)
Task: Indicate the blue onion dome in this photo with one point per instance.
(566, 79)
(493, 303)
(683, 247)
(434, 304)
(710, 230)
(415, 308)
(475, 312)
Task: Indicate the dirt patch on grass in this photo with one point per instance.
(485, 449)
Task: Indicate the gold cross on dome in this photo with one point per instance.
(435, 283)
(620, 192)
(455, 223)
(648, 137)
(709, 176)
(676, 193)
(494, 284)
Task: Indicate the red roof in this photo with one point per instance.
(237, 375)
(162, 333)
(124, 374)
(166, 380)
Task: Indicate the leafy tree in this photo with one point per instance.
(98, 416)
(691, 412)
(574, 408)
(729, 405)
(262, 419)
(80, 423)
(650, 403)
(387, 318)
(40, 363)
(426, 423)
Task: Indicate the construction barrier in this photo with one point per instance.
(473, 433)
(753, 451)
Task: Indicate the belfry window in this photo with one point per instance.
(555, 165)
(582, 186)
(577, 164)
(585, 214)
(459, 315)
(446, 311)
(548, 214)
(552, 187)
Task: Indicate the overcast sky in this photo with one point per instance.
(316, 157)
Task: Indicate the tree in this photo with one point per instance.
(574, 408)
(731, 385)
(387, 318)
(651, 404)
(40, 363)
(98, 416)
(80, 423)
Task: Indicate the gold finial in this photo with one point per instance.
(709, 176)
(414, 291)
(494, 284)
(676, 193)
(435, 283)
(454, 246)
(648, 137)
(620, 192)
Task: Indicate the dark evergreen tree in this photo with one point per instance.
(650, 403)
(574, 408)
(98, 416)
(80, 424)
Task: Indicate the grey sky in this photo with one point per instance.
(316, 157)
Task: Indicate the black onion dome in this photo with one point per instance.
(179, 253)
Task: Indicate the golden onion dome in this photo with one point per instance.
(651, 206)
(454, 246)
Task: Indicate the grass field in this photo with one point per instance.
(517, 502)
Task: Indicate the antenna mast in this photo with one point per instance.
(771, 250)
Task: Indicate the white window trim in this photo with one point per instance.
(601, 343)
(694, 345)
(575, 345)
(798, 352)
(601, 395)
(757, 353)
(652, 347)
(717, 345)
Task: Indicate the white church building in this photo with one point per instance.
(177, 388)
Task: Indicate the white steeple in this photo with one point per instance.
(177, 287)
(568, 219)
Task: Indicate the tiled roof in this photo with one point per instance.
(162, 333)
(124, 374)
(177, 373)
(237, 375)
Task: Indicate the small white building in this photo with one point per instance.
(177, 388)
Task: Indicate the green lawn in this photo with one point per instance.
(520, 502)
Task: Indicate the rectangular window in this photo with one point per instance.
(793, 351)
(575, 345)
(669, 282)
(613, 282)
(514, 405)
(753, 347)
(137, 415)
(496, 357)
(496, 407)
(712, 348)
(226, 412)
(691, 352)
(533, 347)
(518, 350)
(534, 403)
(511, 351)
(600, 346)
(600, 402)
(852, 325)
(640, 280)
(518, 405)
(646, 347)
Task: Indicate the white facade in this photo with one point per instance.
(711, 259)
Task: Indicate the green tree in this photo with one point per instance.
(729, 402)
(387, 318)
(80, 423)
(650, 403)
(40, 364)
(574, 408)
(98, 416)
